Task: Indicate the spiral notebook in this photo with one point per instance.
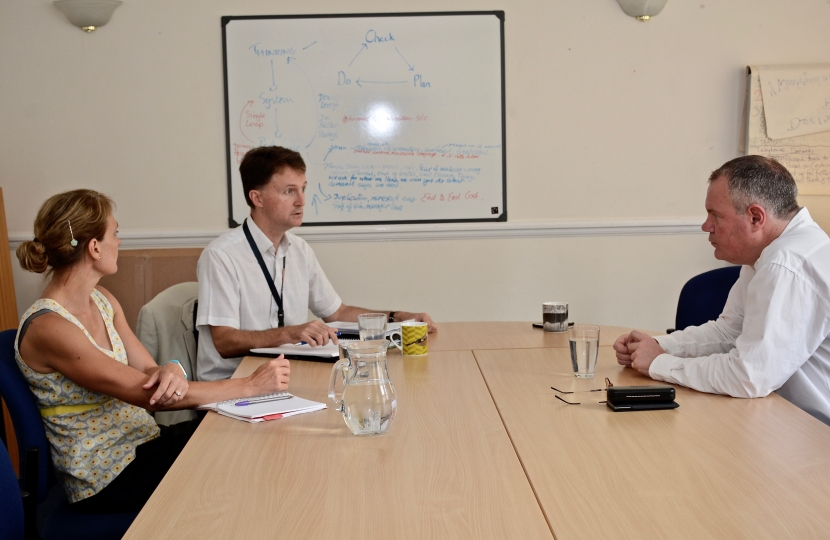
(265, 407)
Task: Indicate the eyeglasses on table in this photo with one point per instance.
(608, 384)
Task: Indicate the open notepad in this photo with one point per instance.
(328, 352)
(261, 408)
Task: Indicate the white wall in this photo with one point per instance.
(608, 119)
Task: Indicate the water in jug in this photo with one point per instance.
(368, 401)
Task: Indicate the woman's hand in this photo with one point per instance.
(272, 376)
(172, 385)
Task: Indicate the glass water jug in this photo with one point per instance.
(368, 401)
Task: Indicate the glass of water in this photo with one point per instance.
(584, 341)
(371, 326)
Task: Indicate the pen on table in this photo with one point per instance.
(260, 400)
(306, 343)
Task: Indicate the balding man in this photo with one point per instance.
(773, 332)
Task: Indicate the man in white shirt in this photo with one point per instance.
(773, 332)
(237, 309)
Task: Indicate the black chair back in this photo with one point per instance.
(703, 297)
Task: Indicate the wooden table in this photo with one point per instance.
(446, 469)
(717, 467)
(480, 448)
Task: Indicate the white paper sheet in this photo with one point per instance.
(796, 99)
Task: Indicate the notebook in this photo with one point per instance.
(265, 407)
(325, 353)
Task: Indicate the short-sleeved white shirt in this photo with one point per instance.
(233, 291)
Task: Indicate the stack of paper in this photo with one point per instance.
(261, 408)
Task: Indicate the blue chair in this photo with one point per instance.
(703, 297)
(11, 526)
(37, 475)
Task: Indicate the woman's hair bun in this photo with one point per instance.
(32, 256)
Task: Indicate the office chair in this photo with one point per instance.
(703, 297)
(11, 526)
(167, 329)
(37, 475)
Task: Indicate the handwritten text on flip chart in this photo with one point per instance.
(807, 157)
(796, 99)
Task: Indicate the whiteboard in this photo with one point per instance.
(399, 117)
(807, 157)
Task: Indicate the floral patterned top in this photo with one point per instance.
(93, 436)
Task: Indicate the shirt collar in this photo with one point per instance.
(264, 244)
(801, 219)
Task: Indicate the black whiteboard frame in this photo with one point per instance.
(498, 14)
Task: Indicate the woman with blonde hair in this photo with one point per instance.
(93, 381)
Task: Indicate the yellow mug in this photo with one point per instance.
(414, 338)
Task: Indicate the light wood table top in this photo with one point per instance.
(717, 467)
(446, 469)
(466, 336)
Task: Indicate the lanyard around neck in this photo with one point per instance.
(268, 278)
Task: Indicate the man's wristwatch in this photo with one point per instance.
(392, 316)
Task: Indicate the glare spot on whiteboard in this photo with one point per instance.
(381, 122)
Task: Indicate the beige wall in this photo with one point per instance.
(608, 119)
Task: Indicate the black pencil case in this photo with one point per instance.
(640, 398)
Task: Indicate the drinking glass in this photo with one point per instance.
(584, 341)
(372, 326)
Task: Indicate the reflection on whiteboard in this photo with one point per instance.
(807, 157)
(400, 118)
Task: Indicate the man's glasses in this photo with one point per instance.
(608, 384)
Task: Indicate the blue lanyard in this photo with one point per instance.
(274, 293)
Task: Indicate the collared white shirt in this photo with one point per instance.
(233, 291)
(773, 332)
